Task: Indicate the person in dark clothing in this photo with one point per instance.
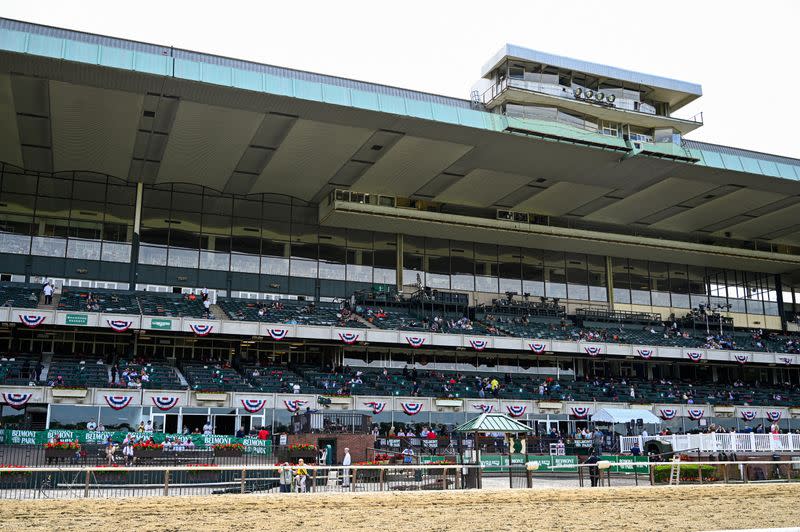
(39, 371)
(594, 471)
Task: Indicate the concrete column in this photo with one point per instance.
(399, 263)
(609, 283)
(137, 225)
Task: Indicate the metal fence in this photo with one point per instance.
(721, 442)
(108, 482)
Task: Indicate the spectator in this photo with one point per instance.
(346, 461)
(48, 290)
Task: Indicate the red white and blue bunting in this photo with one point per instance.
(17, 401)
(742, 359)
(201, 329)
(580, 412)
(294, 406)
(516, 410)
(786, 360)
(412, 409)
(119, 325)
(277, 334)
(646, 353)
(118, 402)
(773, 415)
(376, 406)
(537, 347)
(748, 415)
(478, 344)
(695, 413)
(31, 320)
(415, 341)
(349, 337)
(165, 402)
(593, 350)
(694, 356)
(486, 409)
(668, 413)
(253, 406)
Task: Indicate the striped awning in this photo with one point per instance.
(493, 423)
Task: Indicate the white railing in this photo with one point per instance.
(720, 442)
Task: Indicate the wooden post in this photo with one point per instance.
(700, 473)
(580, 476)
(444, 478)
(166, 482)
(651, 469)
(314, 481)
(458, 477)
(382, 477)
(243, 480)
(725, 473)
(353, 479)
(86, 485)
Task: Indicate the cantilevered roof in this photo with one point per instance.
(493, 423)
(587, 67)
(76, 102)
(624, 415)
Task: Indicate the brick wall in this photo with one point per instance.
(357, 443)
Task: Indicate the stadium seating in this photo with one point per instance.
(15, 369)
(160, 376)
(20, 295)
(286, 311)
(209, 377)
(118, 301)
(170, 305)
(78, 372)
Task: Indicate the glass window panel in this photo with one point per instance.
(115, 252)
(48, 247)
(244, 263)
(183, 258)
(622, 295)
(83, 249)
(360, 273)
(486, 284)
(303, 267)
(462, 281)
(435, 280)
(19, 183)
(274, 266)
(555, 274)
(385, 276)
(156, 256)
(214, 261)
(16, 244)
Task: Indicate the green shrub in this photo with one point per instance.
(688, 472)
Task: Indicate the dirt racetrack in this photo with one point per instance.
(684, 508)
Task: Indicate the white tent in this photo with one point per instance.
(624, 415)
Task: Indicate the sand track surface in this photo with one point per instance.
(667, 508)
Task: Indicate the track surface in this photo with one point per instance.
(676, 508)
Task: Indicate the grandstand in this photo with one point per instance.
(552, 244)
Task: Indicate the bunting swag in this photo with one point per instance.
(17, 401)
(478, 345)
(592, 350)
(580, 412)
(646, 354)
(537, 347)
(412, 409)
(119, 325)
(773, 415)
(786, 360)
(277, 334)
(695, 413)
(201, 329)
(748, 415)
(294, 406)
(742, 359)
(164, 402)
(253, 406)
(348, 337)
(376, 406)
(668, 413)
(118, 402)
(516, 410)
(415, 341)
(486, 409)
(694, 356)
(31, 320)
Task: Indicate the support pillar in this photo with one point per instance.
(609, 283)
(137, 225)
(399, 263)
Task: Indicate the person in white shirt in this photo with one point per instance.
(295, 388)
(346, 461)
(207, 307)
(207, 428)
(48, 293)
(644, 433)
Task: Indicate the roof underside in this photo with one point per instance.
(61, 116)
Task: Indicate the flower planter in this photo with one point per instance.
(69, 392)
(148, 453)
(225, 453)
(211, 396)
(203, 477)
(59, 454)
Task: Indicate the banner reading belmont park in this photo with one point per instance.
(34, 437)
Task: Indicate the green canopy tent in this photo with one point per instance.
(491, 423)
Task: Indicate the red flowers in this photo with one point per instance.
(228, 446)
(63, 445)
(148, 445)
